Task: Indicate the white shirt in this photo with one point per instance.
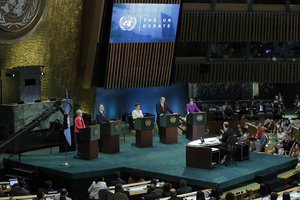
(95, 187)
(137, 114)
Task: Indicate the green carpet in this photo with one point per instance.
(166, 162)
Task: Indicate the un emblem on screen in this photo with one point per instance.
(148, 122)
(127, 23)
(173, 120)
(199, 118)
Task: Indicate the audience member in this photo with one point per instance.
(157, 190)
(119, 189)
(40, 195)
(249, 195)
(63, 195)
(263, 191)
(280, 134)
(173, 195)
(184, 188)
(166, 190)
(271, 127)
(47, 189)
(216, 193)
(97, 185)
(286, 196)
(287, 126)
(136, 176)
(273, 196)
(19, 189)
(259, 133)
(295, 151)
(200, 195)
(151, 195)
(229, 196)
(117, 179)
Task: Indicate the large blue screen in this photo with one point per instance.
(143, 23)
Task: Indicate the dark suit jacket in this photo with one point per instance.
(175, 198)
(151, 196)
(100, 119)
(184, 190)
(160, 110)
(117, 181)
(229, 132)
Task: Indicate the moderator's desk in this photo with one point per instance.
(203, 155)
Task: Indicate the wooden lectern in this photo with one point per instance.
(168, 128)
(144, 127)
(196, 125)
(88, 142)
(110, 142)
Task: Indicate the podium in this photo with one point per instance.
(88, 142)
(168, 131)
(195, 125)
(143, 134)
(110, 142)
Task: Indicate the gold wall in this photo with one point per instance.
(54, 44)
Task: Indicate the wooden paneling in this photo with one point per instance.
(201, 26)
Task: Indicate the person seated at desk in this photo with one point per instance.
(151, 195)
(157, 190)
(286, 196)
(136, 176)
(137, 112)
(19, 189)
(100, 117)
(271, 127)
(192, 107)
(215, 193)
(227, 132)
(117, 179)
(200, 195)
(119, 191)
(166, 190)
(63, 195)
(174, 196)
(97, 185)
(184, 188)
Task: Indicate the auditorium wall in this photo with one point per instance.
(122, 101)
(54, 44)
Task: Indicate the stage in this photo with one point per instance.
(162, 161)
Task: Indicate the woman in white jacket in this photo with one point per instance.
(95, 187)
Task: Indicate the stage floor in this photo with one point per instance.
(162, 161)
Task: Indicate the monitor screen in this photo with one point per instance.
(144, 23)
(13, 181)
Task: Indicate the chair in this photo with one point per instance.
(120, 196)
(103, 194)
(231, 144)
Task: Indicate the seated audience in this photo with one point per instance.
(63, 195)
(151, 195)
(285, 145)
(136, 176)
(216, 193)
(259, 133)
(249, 195)
(200, 195)
(261, 143)
(287, 126)
(295, 151)
(19, 189)
(173, 195)
(229, 196)
(271, 127)
(157, 190)
(273, 196)
(97, 185)
(263, 191)
(286, 196)
(183, 188)
(280, 134)
(117, 179)
(166, 190)
(47, 189)
(40, 195)
(119, 190)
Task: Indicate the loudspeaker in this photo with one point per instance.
(21, 84)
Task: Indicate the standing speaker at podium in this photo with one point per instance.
(192, 107)
(137, 112)
(78, 124)
(100, 117)
(162, 108)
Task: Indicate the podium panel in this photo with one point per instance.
(143, 135)
(110, 142)
(170, 120)
(88, 142)
(196, 125)
(202, 157)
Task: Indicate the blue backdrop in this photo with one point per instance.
(118, 102)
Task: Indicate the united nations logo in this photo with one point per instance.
(148, 122)
(173, 120)
(199, 118)
(127, 23)
(18, 17)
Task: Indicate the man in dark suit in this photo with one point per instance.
(184, 188)
(151, 195)
(117, 179)
(174, 195)
(100, 118)
(228, 132)
(162, 108)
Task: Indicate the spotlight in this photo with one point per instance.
(42, 73)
